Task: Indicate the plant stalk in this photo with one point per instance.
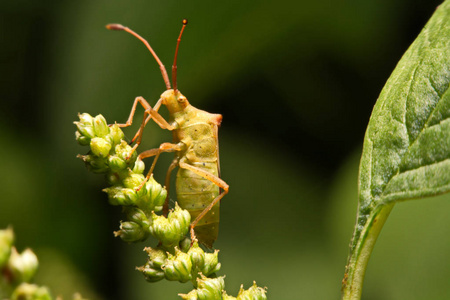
(356, 268)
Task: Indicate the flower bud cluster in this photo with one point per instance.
(213, 289)
(179, 265)
(111, 155)
(31, 291)
(17, 270)
(175, 258)
(136, 229)
(152, 270)
(253, 293)
(16, 267)
(105, 143)
(171, 230)
(202, 262)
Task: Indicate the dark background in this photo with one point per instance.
(295, 82)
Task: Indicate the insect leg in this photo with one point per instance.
(172, 166)
(164, 147)
(137, 100)
(158, 120)
(149, 113)
(138, 134)
(147, 108)
(214, 179)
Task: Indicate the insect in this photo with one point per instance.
(199, 187)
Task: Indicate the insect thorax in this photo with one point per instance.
(197, 133)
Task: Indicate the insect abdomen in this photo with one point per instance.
(195, 193)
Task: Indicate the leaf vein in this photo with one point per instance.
(421, 166)
(411, 140)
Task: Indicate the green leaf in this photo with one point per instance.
(408, 135)
(407, 143)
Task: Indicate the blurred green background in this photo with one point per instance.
(295, 82)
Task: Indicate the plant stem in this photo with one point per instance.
(359, 257)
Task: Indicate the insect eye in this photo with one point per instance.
(181, 99)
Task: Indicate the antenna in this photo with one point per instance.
(161, 66)
(174, 66)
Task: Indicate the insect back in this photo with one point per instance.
(196, 186)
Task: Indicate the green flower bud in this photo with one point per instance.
(100, 147)
(115, 195)
(178, 267)
(180, 220)
(94, 163)
(85, 126)
(172, 229)
(110, 140)
(136, 215)
(156, 257)
(86, 130)
(133, 181)
(130, 196)
(192, 295)
(185, 244)
(139, 166)
(27, 291)
(86, 119)
(212, 264)
(118, 195)
(116, 163)
(6, 242)
(253, 293)
(151, 274)
(151, 196)
(152, 269)
(125, 152)
(116, 178)
(132, 232)
(23, 266)
(116, 134)
(208, 289)
(82, 139)
(163, 231)
(101, 128)
(197, 256)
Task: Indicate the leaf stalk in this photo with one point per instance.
(356, 267)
